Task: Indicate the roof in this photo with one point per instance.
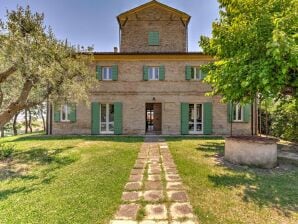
(165, 56)
(147, 53)
(123, 16)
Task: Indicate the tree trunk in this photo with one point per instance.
(266, 121)
(42, 117)
(14, 125)
(30, 121)
(260, 120)
(2, 131)
(252, 117)
(256, 116)
(26, 121)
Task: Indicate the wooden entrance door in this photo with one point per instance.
(153, 118)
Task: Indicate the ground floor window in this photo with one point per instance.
(107, 118)
(195, 124)
(238, 113)
(65, 113)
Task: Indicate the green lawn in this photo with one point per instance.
(65, 179)
(222, 193)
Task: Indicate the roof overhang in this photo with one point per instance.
(107, 56)
(123, 17)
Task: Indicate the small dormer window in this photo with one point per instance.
(153, 38)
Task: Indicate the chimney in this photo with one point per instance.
(115, 49)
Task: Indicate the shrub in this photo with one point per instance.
(6, 151)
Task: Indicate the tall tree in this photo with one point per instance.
(254, 44)
(34, 65)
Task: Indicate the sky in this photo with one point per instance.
(93, 22)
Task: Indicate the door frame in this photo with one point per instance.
(197, 132)
(107, 119)
(161, 114)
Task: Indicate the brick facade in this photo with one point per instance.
(172, 31)
(133, 92)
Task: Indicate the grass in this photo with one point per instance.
(225, 194)
(64, 179)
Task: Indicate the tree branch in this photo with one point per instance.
(18, 105)
(4, 75)
(1, 97)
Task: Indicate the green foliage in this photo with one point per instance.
(41, 66)
(6, 150)
(255, 47)
(285, 120)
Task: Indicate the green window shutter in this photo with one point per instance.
(162, 72)
(207, 113)
(117, 118)
(72, 113)
(184, 118)
(115, 72)
(188, 72)
(145, 73)
(230, 112)
(246, 112)
(95, 118)
(153, 38)
(57, 113)
(98, 72)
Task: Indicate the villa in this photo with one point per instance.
(151, 85)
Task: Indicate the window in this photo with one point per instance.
(237, 113)
(153, 38)
(65, 112)
(153, 73)
(195, 125)
(196, 73)
(107, 118)
(106, 73)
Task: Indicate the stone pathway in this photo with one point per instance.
(154, 193)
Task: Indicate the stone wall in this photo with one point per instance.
(172, 32)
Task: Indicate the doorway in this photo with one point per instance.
(153, 117)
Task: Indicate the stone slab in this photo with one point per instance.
(181, 210)
(156, 211)
(131, 196)
(127, 212)
(133, 186)
(177, 196)
(153, 196)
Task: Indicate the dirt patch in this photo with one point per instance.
(11, 168)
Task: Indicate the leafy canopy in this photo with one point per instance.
(34, 65)
(254, 44)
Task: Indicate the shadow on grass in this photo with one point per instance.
(4, 194)
(33, 168)
(213, 147)
(112, 138)
(271, 189)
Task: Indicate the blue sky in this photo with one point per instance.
(93, 22)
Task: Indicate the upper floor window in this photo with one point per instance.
(153, 38)
(106, 73)
(153, 73)
(237, 113)
(65, 112)
(196, 73)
